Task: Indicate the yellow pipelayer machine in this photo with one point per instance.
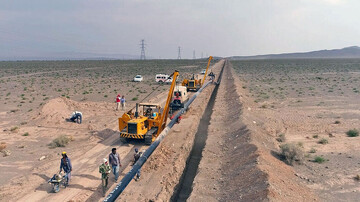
(195, 84)
(150, 123)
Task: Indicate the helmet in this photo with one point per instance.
(136, 150)
(63, 153)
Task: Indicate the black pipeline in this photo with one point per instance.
(130, 175)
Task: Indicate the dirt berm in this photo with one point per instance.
(238, 162)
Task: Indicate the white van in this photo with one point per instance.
(163, 78)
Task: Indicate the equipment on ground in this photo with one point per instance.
(193, 84)
(148, 124)
(57, 180)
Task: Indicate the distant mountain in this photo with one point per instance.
(71, 56)
(348, 52)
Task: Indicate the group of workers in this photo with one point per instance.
(120, 101)
(112, 164)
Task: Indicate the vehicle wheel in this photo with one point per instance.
(56, 187)
(148, 139)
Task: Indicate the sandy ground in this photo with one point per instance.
(240, 161)
(24, 175)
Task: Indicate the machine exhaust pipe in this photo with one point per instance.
(137, 110)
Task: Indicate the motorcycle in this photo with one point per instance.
(57, 180)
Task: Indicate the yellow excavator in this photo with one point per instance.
(149, 124)
(193, 84)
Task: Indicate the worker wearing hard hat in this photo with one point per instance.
(105, 170)
(65, 165)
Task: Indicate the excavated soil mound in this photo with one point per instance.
(54, 111)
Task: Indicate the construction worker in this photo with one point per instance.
(76, 117)
(114, 160)
(105, 170)
(177, 98)
(118, 101)
(212, 76)
(122, 101)
(65, 165)
(137, 155)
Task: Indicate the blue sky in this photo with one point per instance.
(222, 28)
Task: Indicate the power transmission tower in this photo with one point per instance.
(179, 53)
(194, 57)
(202, 55)
(142, 44)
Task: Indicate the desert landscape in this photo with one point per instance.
(278, 130)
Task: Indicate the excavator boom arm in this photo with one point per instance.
(203, 80)
(167, 104)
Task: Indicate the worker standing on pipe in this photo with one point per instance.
(137, 155)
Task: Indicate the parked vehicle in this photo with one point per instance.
(138, 78)
(57, 180)
(163, 78)
(179, 99)
(203, 71)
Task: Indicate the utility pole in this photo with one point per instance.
(202, 55)
(194, 57)
(179, 53)
(142, 44)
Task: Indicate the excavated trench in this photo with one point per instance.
(184, 188)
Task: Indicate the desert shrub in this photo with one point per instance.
(14, 129)
(352, 133)
(315, 136)
(319, 159)
(337, 122)
(300, 144)
(323, 141)
(357, 177)
(134, 98)
(291, 153)
(312, 150)
(2, 146)
(60, 141)
(26, 134)
(281, 138)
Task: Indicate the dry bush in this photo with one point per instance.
(2, 146)
(60, 141)
(14, 129)
(281, 138)
(292, 153)
(357, 177)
